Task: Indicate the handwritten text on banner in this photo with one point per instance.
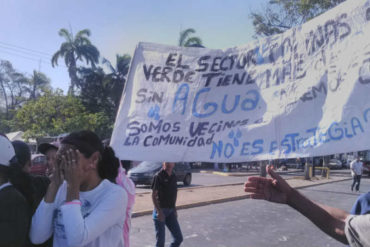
(303, 93)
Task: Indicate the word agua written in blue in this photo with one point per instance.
(246, 102)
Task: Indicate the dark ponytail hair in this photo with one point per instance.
(87, 142)
(109, 172)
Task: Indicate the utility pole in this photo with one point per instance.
(307, 169)
(263, 169)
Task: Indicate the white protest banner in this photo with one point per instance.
(303, 93)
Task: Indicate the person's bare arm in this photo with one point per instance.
(330, 220)
(156, 205)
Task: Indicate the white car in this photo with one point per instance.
(335, 164)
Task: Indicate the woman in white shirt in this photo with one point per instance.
(83, 206)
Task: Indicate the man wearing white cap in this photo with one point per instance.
(14, 209)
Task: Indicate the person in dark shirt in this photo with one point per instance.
(164, 195)
(34, 185)
(37, 184)
(14, 208)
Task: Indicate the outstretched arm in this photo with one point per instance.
(330, 220)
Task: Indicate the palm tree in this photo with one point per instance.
(122, 65)
(117, 77)
(38, 84)
(187, 41)
(74, 49)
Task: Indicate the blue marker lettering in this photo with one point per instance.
(365, 114)
(355, 122)
(206, 106)
(258, 146)
(217, 148)
(250, 104)
(182, 97)
(236, 103)
(338, 131)
(273, 147)
(313, 131)
(244, 150)
(230, 147)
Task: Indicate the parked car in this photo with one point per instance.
(145, 171)
(291, 163)
(335, 164)
(346, 163)
(366, 166)
(38, 164)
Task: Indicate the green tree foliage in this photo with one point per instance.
(55, 113)
(187, 40)
(122, 65)
(95, 91)
(75, 48)
(101, 92)
(5, 125)
(15, 90)
(116, 79)
(39, 83)
(281, 15)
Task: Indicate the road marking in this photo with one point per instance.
(191, 236)
(283, 239)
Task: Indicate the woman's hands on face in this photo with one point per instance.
(73, 171)
(57, 176)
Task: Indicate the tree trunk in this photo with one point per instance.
(72, 71)
(6, 101)
(33, 95)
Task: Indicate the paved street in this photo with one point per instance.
(206, 179)
(251, 222)
(202, 179)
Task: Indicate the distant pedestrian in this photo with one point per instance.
(164, 197)
(356, 171)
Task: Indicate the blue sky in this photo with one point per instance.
(29, 29)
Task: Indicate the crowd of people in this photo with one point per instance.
(86, 198)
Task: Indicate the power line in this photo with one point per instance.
(24, 52)
(36, 55)
(20, 47)
(15, 54)
(29, 58)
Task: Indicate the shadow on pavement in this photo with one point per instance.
(178, 186)
(334, 192)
